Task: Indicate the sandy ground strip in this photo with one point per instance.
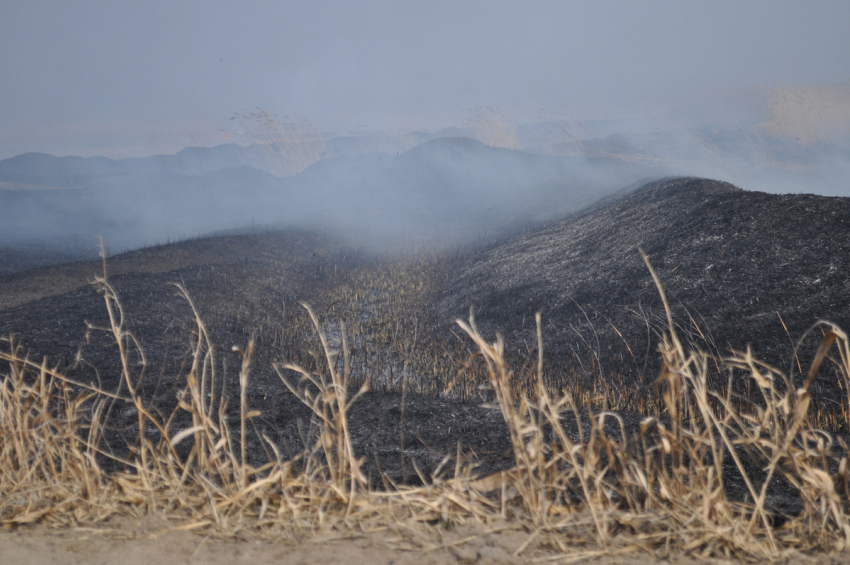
(143, 542)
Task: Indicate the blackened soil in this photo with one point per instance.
(739, 268)
(24, 257)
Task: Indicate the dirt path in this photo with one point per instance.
(145, 543)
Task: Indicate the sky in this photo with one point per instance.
(139, 78)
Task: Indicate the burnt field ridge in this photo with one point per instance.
(740, 269)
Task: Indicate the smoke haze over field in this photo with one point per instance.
(594, 95)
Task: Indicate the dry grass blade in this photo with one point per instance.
(328, 399)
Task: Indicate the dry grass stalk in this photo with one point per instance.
(47, 459)
(328, 399)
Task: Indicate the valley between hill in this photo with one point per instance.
(740, 268)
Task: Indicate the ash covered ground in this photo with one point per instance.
(739, 268)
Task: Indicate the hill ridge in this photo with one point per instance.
(739, 268)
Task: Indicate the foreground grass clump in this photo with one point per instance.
(663, 488)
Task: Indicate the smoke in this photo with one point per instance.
(421, 188)
(810, 114)
(489, 126)
(282, 148)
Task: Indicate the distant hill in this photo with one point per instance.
(49, 170)
(441, 191)
(41, 168)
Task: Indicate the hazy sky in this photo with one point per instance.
(135, 78)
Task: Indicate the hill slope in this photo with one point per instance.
(738, 267)
(250, 286)
(730, 260)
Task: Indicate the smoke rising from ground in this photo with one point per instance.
(428, 123)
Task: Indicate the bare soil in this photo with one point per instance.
(140, 542)
(25, 257)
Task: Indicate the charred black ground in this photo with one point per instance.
(739, 268)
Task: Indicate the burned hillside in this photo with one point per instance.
(736, 265)
(739, 268)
